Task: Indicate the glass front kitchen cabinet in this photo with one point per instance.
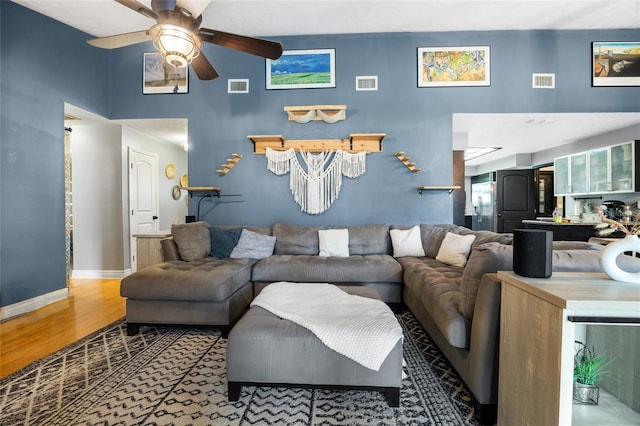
(623, 167)
(599, 176)
(578, 173)
(561, 176)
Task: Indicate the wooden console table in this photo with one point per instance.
(148, 248)
(537, 324)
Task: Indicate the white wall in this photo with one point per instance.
(98, 245)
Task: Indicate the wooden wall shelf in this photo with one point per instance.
(449, 188)
(327, 113)
(357, 142)
(209, 189)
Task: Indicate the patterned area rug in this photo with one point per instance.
(177, 376)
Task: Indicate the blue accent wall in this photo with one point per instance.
(42, 65)
(50, 63)
(416, 120)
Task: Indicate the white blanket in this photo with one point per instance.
(360, 328)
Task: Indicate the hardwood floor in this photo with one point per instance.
(91, 305)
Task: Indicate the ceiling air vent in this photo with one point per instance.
(544, 81)
(367, 82)
(238, 85)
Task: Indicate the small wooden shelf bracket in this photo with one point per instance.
(357, 142)
(327, 113)
(235, 157)
(407, 162)
(449, 188)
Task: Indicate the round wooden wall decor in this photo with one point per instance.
(176, 193)
(170, 171)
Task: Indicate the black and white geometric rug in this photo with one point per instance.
(177, 376)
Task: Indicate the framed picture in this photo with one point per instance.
(160, 77)
(302, 69)
(454, 66)
(616, 63)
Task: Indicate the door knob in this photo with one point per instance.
(154, 217)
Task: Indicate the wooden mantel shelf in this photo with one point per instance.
(449, 188)
(356, 142)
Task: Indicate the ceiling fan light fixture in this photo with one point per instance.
(177, 45)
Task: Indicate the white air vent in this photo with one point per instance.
(367, 82)
(237, 85)
(544, 81)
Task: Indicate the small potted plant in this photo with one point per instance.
(588, 369)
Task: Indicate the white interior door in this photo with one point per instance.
(143, 197)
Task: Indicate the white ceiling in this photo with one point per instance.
(303, 17)
(514, 133)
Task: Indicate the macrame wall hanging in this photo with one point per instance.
(315, 189)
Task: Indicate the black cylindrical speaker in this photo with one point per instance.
(532, 251)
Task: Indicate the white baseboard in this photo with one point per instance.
(29, 305)
(113, 274)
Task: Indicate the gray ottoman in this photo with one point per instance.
(265, 350)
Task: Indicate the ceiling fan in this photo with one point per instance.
(178, 37)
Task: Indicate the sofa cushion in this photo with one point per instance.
(437, 285)
(406, 242)
(304, 268)
(204, 280)
(294, 239)
(455, 249)
(333, 242)
(193, 240)
(432, 236)
(253, 245)
(369, 239)
(483, 237)
(223, 240)
(488, 257)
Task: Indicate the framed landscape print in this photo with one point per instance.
(160, 77)
(454, 66)
(616, 63)
(302, 69)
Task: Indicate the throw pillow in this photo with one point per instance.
(252, 245)
(334, 242)
(223, 240)
(192, 239)
(455, 249)
(407, 242)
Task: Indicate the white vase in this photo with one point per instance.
(609, 254)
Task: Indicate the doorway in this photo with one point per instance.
(98, 223)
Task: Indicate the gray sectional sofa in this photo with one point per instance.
(458, 304)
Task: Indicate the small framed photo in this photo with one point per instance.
(302, 69)
(160, 77)
(454, 66)
(616, 63)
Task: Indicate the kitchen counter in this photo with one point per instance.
(564, 231)
(548, 222)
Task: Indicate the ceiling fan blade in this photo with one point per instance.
(139, 7)
(196, 7)
(255, 46)
(120, 40)
(162, 5)
(203, 68)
